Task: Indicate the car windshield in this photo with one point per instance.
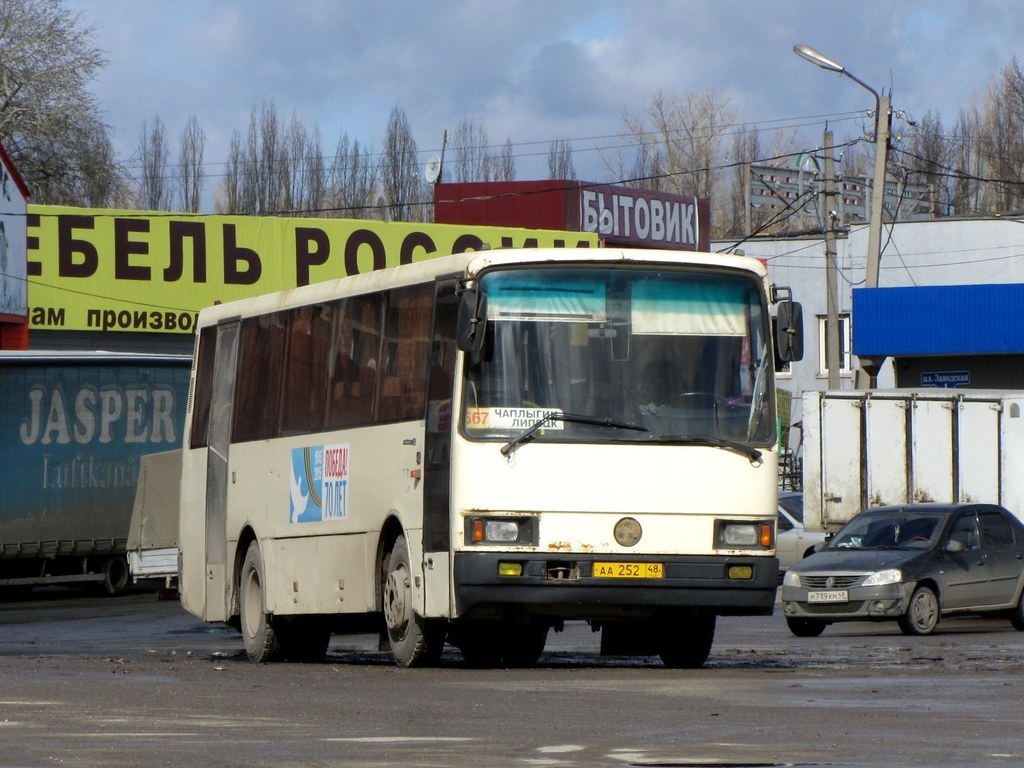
(641, 355)
(793, 503)
(888, 530)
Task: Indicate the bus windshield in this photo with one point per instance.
(640, 355)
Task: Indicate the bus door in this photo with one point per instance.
(437, 472)
(219, 439)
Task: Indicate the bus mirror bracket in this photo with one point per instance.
(472, 321)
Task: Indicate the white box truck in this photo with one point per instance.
(872, 448)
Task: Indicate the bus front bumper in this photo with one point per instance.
(570, 587)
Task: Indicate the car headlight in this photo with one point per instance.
(791, 579)
(881, 578)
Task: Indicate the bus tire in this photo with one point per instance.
(261, 639)
(479, 642)
(115, 575)
(414, 641)
(685, 643)
(523, 644)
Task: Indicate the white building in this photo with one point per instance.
(948, 310)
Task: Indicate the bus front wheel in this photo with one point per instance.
(685, 643)
(258, 634)
(414, 641)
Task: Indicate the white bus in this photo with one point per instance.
(480, 447)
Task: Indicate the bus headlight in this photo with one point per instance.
(736, 535)
(501, 530)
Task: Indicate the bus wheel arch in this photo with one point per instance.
(414, 641)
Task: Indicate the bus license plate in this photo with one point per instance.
(629, 570)
(829, 596)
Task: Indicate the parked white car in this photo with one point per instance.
(792, 542)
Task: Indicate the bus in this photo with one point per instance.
(478, 448)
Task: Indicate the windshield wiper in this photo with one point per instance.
(575, 418)
(719, 442)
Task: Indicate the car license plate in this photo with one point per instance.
(829, 596)
(629, 570)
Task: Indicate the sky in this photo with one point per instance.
(536, 70)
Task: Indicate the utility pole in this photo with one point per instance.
(883, 128)
(829, 209)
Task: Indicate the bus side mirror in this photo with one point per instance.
(789, 332)
(472, 322)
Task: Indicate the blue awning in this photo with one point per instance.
(939, 320)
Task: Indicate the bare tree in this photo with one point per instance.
(49, 120)
(470, 160)
(314, 171)
(684, 143)
(266, 181)
(352, 180)
(504, 166)
(400, 179)
(560, 165)
(926, 161)
(745, 150)
(154, 188)
(966, 161)
(229, 195)
(190, 161)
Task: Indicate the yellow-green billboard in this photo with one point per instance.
(95, 269)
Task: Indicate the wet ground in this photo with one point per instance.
(136, 681)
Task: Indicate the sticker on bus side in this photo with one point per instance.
(511, 418)
(319, 483)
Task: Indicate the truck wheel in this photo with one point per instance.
(922, 614)
(258, 633)
(115, 575)
(686, 642)
(805, 627)
(414, 641)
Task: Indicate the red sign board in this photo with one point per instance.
(623, 216)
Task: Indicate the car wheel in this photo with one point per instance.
(922, 614)
(1017, 617)
(806, 627)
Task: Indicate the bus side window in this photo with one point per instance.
(305, 370)
(403, 379)
(352, 367)
(201, 398)
(258, 385)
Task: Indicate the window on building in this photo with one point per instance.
(845, 338)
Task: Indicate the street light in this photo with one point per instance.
(882, 133)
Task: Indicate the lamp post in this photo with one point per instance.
(883, 125)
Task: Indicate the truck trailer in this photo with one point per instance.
(74, 427)
(866, 449)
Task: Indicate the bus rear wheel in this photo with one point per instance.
(414, 641)
(261, 640)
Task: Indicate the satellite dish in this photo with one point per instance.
(432, 170)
